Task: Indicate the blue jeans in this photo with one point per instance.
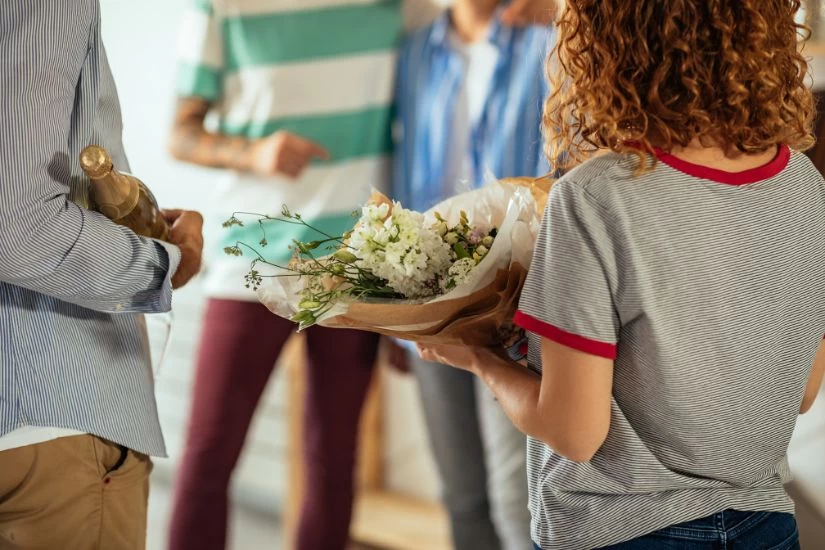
(728, 530)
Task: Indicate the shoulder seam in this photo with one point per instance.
(583, 185)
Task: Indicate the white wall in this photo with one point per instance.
(141, 41)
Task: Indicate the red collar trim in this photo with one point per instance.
(753, 175)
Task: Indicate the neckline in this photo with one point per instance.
(745, 177)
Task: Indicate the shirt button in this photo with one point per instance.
(107, 480)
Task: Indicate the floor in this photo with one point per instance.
(249, 529)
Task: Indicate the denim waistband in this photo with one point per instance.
(727, 525)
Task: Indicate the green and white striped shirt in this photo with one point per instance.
(322, 69)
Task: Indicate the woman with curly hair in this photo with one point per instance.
(676, 302)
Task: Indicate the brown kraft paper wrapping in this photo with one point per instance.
(479, 319)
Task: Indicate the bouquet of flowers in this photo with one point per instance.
(452, 274)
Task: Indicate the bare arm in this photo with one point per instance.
(568, 407)
(815, 381)
(281, 153)
(191, 142)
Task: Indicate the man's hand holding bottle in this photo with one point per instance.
(186, 232)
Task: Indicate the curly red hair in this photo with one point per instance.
(631, 74)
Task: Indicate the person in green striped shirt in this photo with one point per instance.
(293, 98)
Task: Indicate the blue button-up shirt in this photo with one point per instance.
(505, 141)
(73, 346)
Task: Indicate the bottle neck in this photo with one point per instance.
(115, 194)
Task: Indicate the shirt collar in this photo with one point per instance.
(499, 34)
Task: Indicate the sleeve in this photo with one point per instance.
(568, 296)
(200, 52)
(402, 147)
(48, 244)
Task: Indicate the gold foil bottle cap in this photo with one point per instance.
(115, 195)
(95, 161)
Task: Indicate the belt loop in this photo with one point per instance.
(720, 527)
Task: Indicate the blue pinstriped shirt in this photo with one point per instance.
(506, 140)
(73, 345)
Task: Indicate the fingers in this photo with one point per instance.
(186, 232)
(171, 214)
(425, 353)
(191, 218)
(310, 149)
(530, 12)
(190, 243)
(189, 266)
(185, 228)
(514, 14)
(293, 154)
(284, 153)
(292, 164)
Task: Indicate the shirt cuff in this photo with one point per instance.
(574, 341)
(158, 299)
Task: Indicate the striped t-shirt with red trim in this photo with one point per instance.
(707, 288)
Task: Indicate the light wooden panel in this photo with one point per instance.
(397, 522)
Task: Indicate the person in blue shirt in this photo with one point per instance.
(470, 91)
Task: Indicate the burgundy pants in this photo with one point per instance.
(239, 347)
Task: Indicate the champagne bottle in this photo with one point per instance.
(121, 197)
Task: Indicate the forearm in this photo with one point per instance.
(47, 243)
(79, 256)
(191, 142)
(517, 390)
(548, 416)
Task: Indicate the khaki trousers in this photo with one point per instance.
(73, 493)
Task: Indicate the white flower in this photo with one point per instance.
(382, 237)
(375, 213)
(411, 256)
(458, 273)
(394, 231)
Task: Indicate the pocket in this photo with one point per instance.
(16, 465)
(790, 543)
(107, 455)
(135, 468)
(769, 531)
(119, 466)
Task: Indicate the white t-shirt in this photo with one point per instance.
(480, 60)
(31, 435)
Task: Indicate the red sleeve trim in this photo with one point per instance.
(545, 330)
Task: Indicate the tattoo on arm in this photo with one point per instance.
(191, 142)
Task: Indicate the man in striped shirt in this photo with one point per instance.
(301, 91)
(77, 408)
